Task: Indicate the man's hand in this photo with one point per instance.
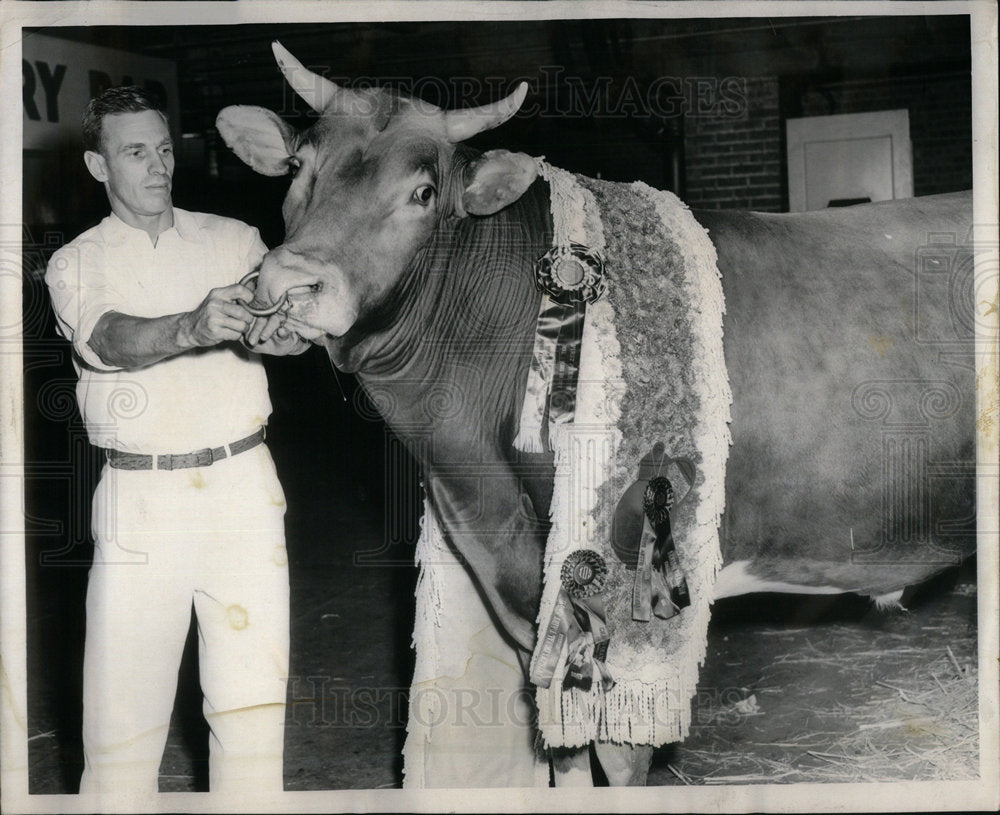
(264, 328)
(268, 335)
(221, 316)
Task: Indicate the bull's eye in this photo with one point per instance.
(293, 166)
(424, 194)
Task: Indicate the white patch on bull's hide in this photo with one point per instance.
(735, 580)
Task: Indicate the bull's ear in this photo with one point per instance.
(496, 179)
(258, 136)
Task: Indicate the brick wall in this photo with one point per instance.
(940, 122)
(736, 161)
(739, 161)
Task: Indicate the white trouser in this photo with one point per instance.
(214, 537)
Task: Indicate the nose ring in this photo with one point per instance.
(262, 311)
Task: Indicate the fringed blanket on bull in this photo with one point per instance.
(629, 391)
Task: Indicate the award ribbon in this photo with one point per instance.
(660, 587)
(579, 620)
(569, 277)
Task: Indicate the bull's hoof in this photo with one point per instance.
(888, 601)
(625, 765)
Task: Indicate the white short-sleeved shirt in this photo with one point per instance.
(202, 398)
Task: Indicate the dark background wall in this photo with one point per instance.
(696, 106)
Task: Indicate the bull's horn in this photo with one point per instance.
(464, 124)
(317, 90)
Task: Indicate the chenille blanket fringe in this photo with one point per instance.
(427, 624)
(446, 633)
(652, 369)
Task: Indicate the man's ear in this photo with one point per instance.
(96, 164)
(496, 179)
(261, 138)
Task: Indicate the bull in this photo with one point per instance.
(395, 260)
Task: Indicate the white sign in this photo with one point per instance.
(59, 77)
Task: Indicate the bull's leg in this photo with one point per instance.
(625, 765)
(571, 767)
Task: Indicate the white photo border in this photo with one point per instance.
(889, 796)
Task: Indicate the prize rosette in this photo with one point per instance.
(578, 622)
(571, 274)
(658, 500)
(584, 574)
(660, 586)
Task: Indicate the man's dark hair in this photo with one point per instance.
(123, 99)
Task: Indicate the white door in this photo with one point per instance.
(850, 158)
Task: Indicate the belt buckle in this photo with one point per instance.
(203, 457)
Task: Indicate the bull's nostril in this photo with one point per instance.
(305, 290)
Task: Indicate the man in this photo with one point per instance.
(188, 508)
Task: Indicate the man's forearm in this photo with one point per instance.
(124, 341)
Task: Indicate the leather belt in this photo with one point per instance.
(199, 458)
